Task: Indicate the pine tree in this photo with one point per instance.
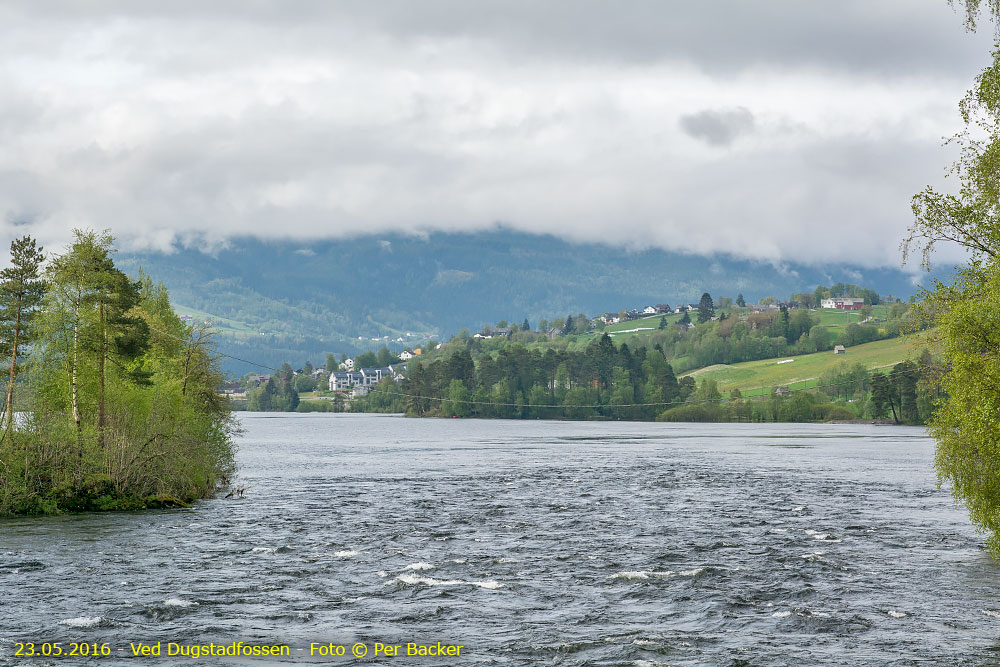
(21, 293)
(740, 302)
(663, 322)
(525, 326)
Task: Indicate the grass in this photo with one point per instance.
(760, 377)
(651, 322)
(836, 320)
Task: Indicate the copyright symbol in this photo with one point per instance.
(359, 650)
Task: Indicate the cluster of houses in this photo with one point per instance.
(405, 355)
(635, 313)
(360, 382)
(499, 332)
(400, 339)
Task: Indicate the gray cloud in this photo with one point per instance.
(717, 127)
(195, 122)
(911, 37)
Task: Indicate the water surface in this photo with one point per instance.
(533, 543)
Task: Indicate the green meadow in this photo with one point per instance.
(803, 371)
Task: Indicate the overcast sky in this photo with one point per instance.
(777, 129)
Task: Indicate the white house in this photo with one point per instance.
(649, 310)
(347, 365)
(405, 355)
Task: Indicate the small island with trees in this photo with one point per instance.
(112, 401)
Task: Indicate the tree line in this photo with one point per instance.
(605, 381)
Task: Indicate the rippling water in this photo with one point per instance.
(533, 543)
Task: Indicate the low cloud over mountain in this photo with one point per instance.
(784, 131)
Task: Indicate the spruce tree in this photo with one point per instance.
(706, 309)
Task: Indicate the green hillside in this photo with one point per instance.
(292, 301)
(760, 377)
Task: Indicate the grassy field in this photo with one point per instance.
(651, 322)
(835, 320)
(760, 377)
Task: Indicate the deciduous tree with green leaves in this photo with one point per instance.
(966, 424)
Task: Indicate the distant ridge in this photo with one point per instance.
(293, 301)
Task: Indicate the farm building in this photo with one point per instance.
(843, 303)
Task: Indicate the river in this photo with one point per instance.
(530, 542)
